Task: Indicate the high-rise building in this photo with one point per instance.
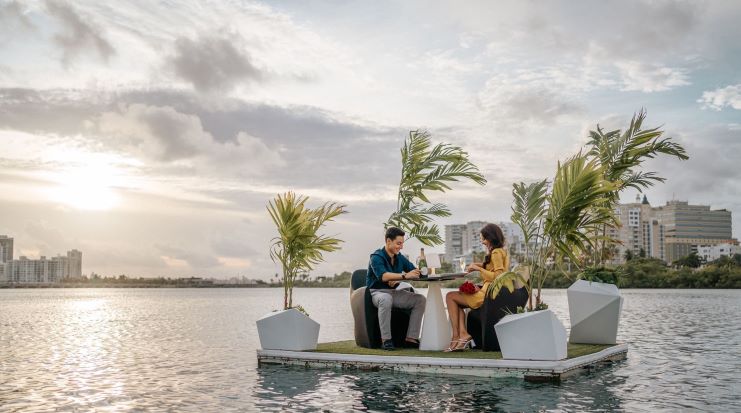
(689, 226)
(6, 248)
(671, 231)
(472, 237)
(43, 270)
(74, 263)
(454, 241)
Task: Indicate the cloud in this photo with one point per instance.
(215, 137)
(194, 258)
(719, 98)
(156, 132)
(233, 244)
(13, 16)
(212, 63)
(650, 78)
(525, 98)
(711, 174)
(162, 134)
(78, 35)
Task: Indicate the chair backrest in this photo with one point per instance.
(358, 279)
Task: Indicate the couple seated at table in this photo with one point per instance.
(387, 268)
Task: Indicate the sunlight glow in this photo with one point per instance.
(89, 187)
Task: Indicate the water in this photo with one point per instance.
(194, 350)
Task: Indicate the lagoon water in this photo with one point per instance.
(194, 350)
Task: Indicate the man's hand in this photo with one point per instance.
(413, 274)
(393, 284)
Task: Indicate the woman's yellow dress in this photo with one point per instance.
(498, 265)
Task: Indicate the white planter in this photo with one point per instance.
(535, 335)
(594, 309)
(287, 330)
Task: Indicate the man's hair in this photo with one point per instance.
(393, 232)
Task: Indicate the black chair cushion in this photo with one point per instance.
(480, 322)
(358, 279)
(399, 323)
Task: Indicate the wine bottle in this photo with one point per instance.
(422, 263)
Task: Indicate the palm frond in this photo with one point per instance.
(425, 169)
(299, 246)
(528, 207)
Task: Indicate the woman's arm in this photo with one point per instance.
(497, 262)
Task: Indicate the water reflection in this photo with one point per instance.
(194, 350)
(301, 389)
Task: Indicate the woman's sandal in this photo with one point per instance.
(452, 346)
(467, 343)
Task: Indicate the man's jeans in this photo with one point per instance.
(385, 300)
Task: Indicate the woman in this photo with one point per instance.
(495, 264)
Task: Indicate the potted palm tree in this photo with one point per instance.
(554, 225)
(594, 299)
(298, 248)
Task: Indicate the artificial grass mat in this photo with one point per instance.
(349, 347)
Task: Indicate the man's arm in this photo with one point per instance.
(411, 272)
(380, 267)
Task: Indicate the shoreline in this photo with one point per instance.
(63, 286)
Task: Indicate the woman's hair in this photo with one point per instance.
(494, 235)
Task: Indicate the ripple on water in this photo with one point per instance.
(194, 350)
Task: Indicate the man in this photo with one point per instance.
(386, 269)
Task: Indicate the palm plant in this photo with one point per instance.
(620, 154)
(425, 169)
(558, 222)
(299, 246)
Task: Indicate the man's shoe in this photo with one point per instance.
(388, 345)
(411, 344)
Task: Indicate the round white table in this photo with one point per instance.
(436, 331)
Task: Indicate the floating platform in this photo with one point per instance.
(347, 356)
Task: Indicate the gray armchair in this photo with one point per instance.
(365, 314)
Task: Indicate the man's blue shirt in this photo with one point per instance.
(380, 263)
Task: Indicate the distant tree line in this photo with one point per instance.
(638, 272)
(687, 272)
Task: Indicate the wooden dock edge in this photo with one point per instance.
(530, 370)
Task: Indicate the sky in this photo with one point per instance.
(151, 135)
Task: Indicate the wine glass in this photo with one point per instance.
(462, 264)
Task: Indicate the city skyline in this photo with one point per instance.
(152, 136)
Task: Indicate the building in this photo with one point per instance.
(454, 241)
(688, 226)
(472, 237)
(712, 252)
(43, 270)
(74, 264)
(669, 232)
(6, 248)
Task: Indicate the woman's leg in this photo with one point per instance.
(453, 313)
(462, 331)
(456, 312)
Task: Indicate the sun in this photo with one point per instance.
(88, 187)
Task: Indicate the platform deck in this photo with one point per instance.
(345, 355)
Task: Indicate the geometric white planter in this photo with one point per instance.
(535, 335)
(594, 310)
(287, 330)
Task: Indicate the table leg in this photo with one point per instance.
(436, 331)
